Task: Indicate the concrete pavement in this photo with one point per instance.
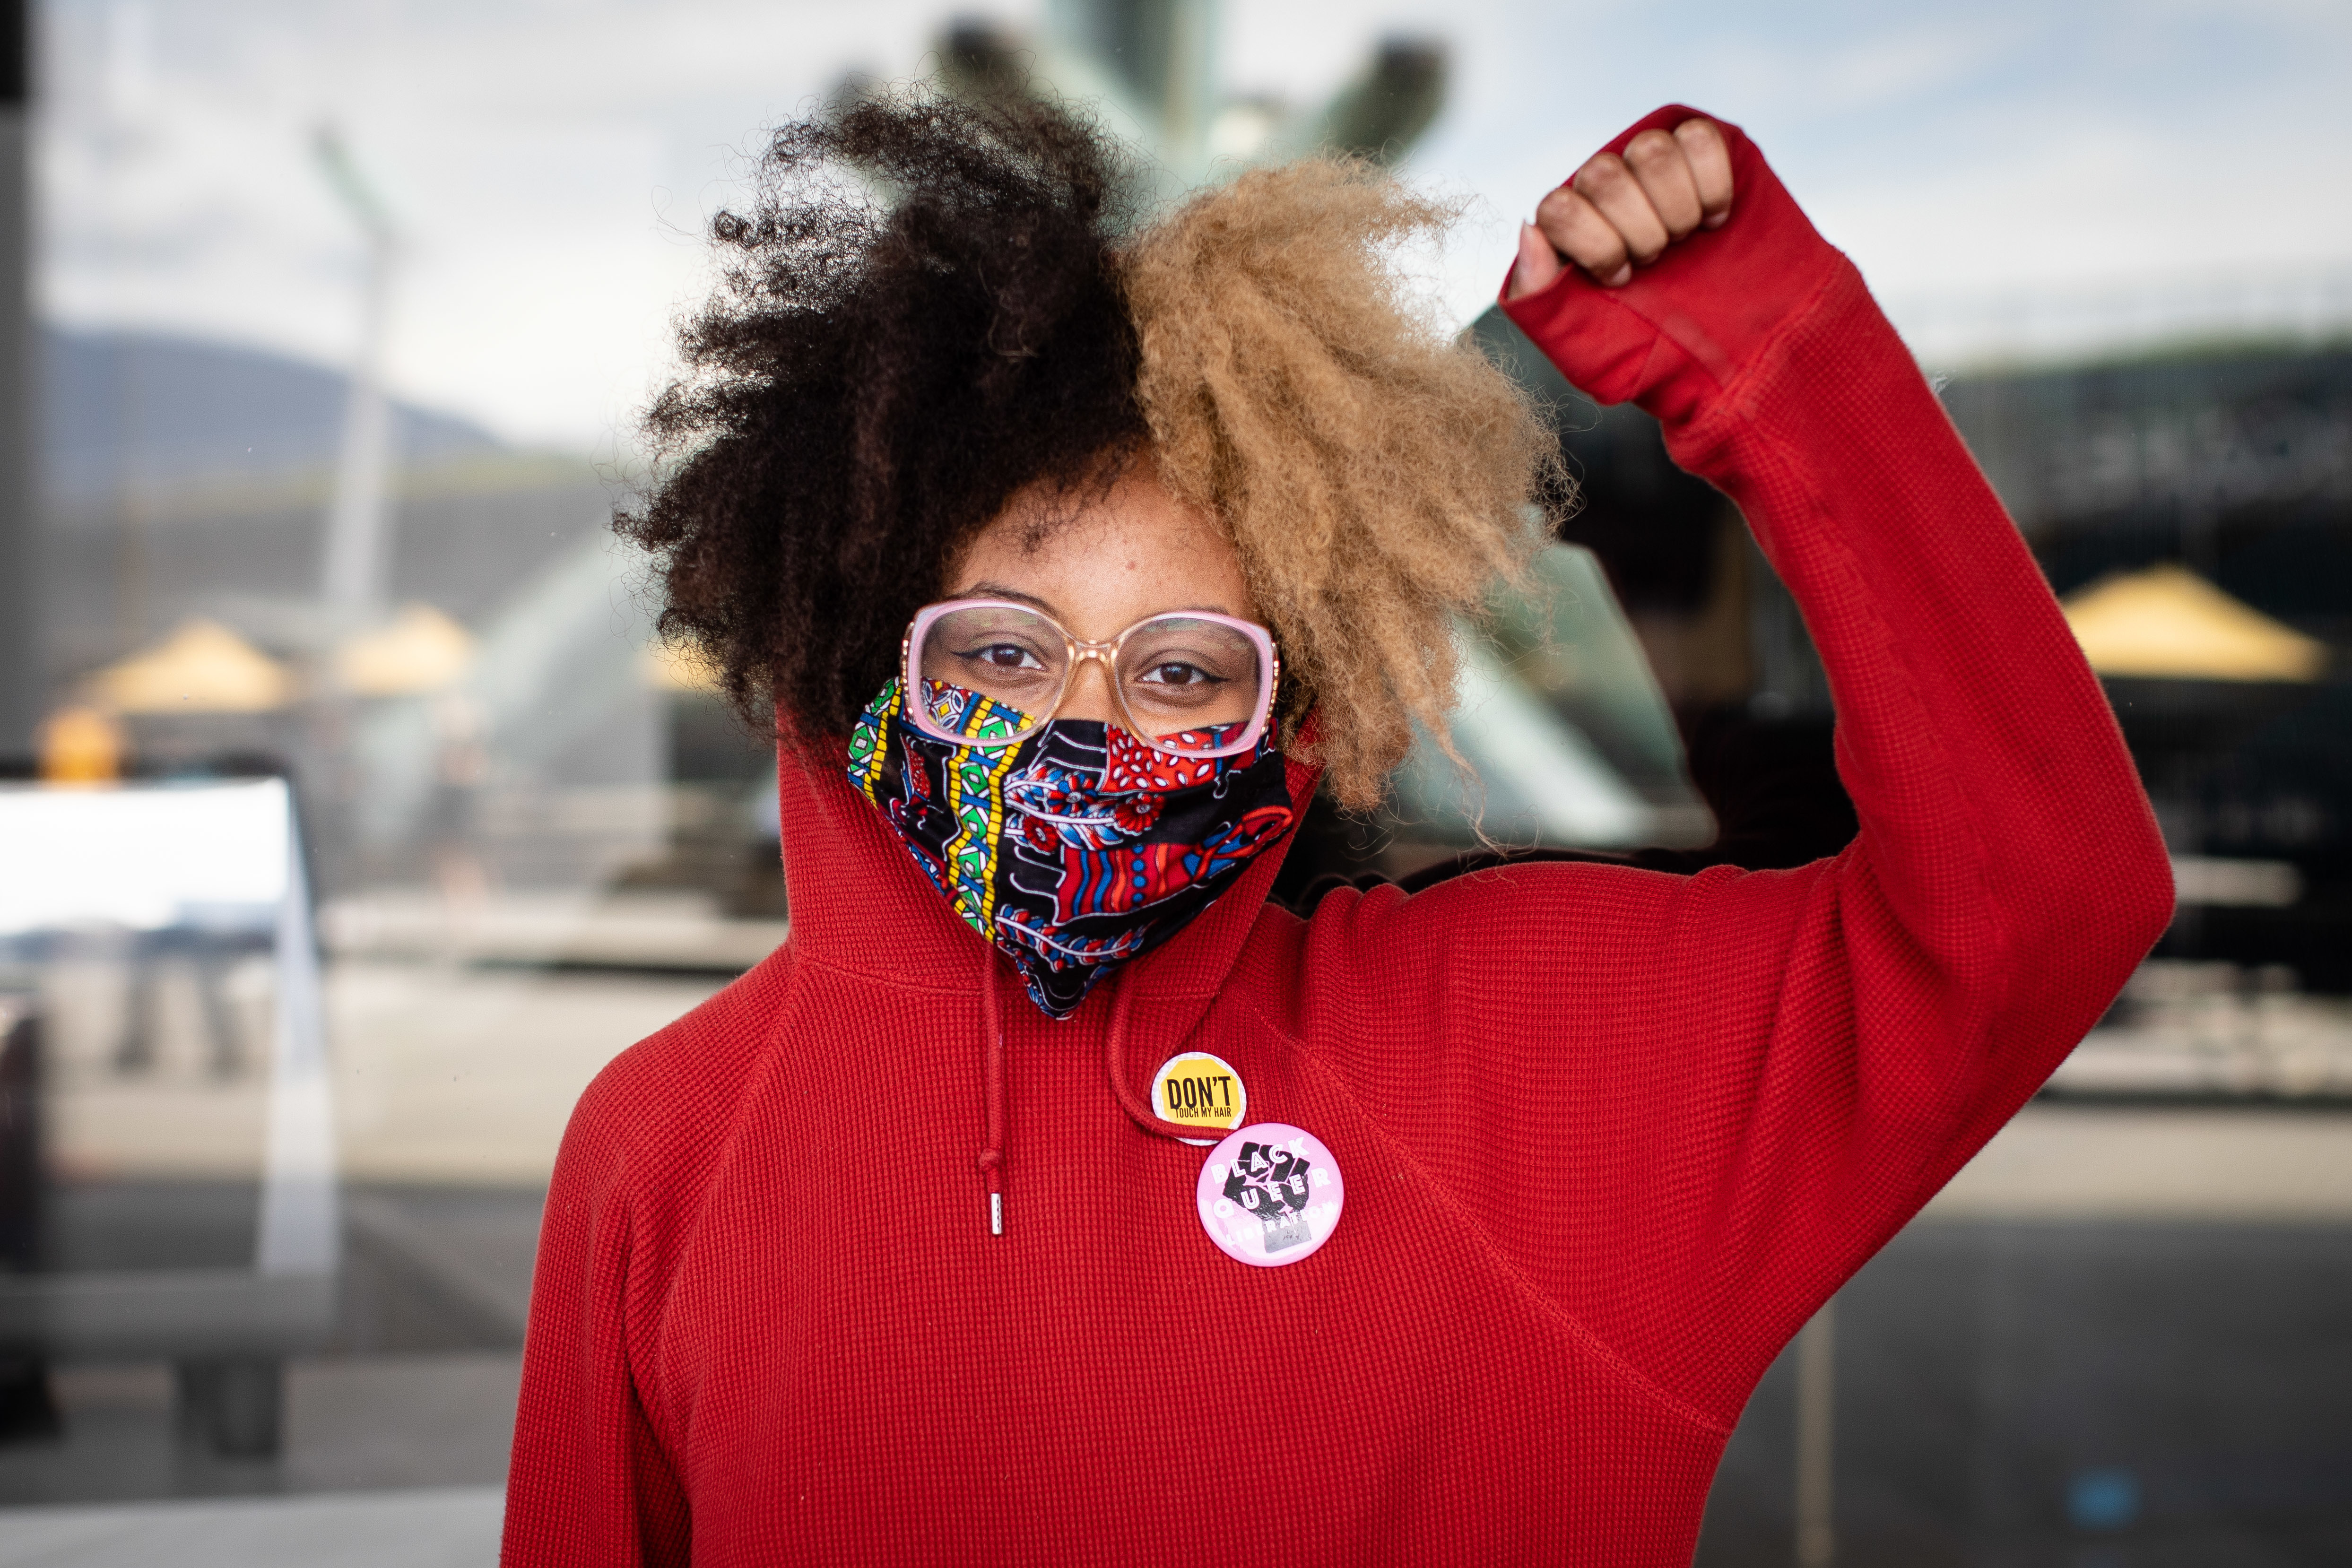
(450, 1527)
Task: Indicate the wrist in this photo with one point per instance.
(1691, 322)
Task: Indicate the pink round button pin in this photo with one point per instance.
(1270, 1193)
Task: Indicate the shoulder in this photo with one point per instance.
(1497, 903)
(659, 1115)
(1364, 941)
(1578, 931)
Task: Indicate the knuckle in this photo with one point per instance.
(1652, 146)
(1598, 248)
(1557, 207)
(1710, 160)
(1603, 172)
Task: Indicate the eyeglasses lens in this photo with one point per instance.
(1181, 680)
(1186, 681)
(1009, 656)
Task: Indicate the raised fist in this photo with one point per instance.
(1271, 1185)
(1619, 213)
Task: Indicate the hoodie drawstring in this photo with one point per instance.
(992, 1073)
(1122, 1002)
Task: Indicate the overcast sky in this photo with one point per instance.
(550, 162)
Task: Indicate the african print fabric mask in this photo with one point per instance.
(1075, 850)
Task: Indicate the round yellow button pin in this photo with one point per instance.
(1201, 1090)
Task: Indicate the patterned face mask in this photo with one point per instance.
(1075, 850)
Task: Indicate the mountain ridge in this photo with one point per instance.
(124, 406)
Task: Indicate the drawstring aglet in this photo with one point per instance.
(991, 1076)
(991, 1171)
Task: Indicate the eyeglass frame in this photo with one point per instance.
(1077, 650)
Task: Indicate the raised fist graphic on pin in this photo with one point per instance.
(1271, 1185)
(1270, 1193)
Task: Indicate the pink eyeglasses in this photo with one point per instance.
(1190, 683)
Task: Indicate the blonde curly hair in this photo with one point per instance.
(1376, 478)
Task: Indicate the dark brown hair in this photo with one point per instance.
(918, 315)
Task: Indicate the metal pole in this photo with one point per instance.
(1816, 1403)
(351, 575)
(23, 679)
(354, 561)
(301, 1223)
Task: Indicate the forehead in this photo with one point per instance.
(1099, 560)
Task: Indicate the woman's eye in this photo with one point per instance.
(1007, 656)
(1178, 674)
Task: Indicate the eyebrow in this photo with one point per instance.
(998, 590)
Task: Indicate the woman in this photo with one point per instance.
(1069, 562)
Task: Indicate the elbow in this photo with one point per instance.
(2086, 905)
(2073, 943)
(2144, 895)
(2128, 896)
(2147, 913)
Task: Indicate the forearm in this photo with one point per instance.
(1997, 807)
(1996, 804)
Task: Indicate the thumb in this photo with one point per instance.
(1538, 265)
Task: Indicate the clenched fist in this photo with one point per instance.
(1619, 213)
(1271, 1185)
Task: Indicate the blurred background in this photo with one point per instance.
(322, 329)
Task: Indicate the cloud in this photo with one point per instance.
(551, 165)
(549, 169)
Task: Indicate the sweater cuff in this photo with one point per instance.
(1691, 322)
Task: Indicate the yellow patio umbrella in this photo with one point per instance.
(2168, 624)
(202, 667)
(419, 650)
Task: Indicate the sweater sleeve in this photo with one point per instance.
(590, 1485)
(1681, 1111)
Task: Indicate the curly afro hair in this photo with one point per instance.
(1375, 478)
(933, 307)
(919, 316)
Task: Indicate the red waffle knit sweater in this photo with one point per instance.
(1609, 1137)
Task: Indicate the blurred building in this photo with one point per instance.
(2229, 473)
(499, 701)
